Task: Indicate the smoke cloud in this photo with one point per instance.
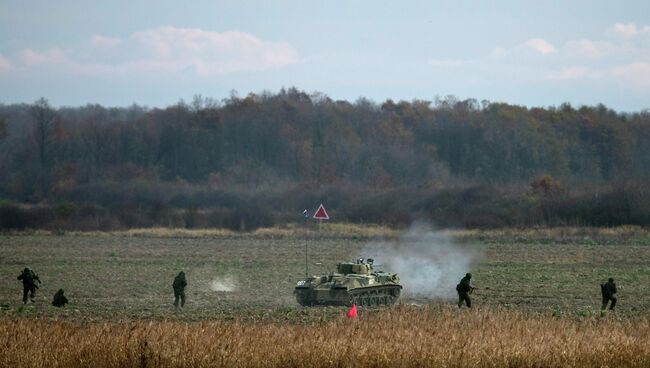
(428, 262)
(227, 284)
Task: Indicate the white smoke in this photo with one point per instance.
(227, 284)
(428, 262)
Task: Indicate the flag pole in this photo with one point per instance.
(306, 216)
(320, 215)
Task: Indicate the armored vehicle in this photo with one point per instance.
(352, 283)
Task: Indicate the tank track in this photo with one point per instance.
(365, 297)
(375, 295)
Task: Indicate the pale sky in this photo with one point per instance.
(534, 53)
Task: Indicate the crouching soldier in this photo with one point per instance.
(464, 288)
(59, 299)
(29, 279)
(609, 293)
(179, 288)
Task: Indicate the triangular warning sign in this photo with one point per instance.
(321, 214)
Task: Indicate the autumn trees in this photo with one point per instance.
(295, 137)
(267, 144)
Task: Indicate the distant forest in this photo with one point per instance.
(259, 160)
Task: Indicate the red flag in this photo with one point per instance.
(352, 312)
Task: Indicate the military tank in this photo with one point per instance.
(352, 283)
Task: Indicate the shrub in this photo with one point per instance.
(12, 217)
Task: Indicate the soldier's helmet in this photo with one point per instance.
(611, 279)
(26, 270)
(468, 275)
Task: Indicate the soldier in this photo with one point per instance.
(464, 289)
(29, 286)
(608, 290)
(179, 288)
(59, 299)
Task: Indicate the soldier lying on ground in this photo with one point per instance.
(59, 299)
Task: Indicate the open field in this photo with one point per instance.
(537, 304)
(120, 276)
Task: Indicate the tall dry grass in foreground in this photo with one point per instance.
(402, 337)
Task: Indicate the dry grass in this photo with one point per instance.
(400, 337)
(365, 231)
(330, 230)
(341, 230)
(163, 232)
(326, 229)
(626, 231)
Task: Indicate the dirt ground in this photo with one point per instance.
(251, 277)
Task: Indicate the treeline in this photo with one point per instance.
(260, 159)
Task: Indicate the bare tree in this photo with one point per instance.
(44, 116)
(4, 150)
(3, 128)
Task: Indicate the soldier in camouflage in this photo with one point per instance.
(179, 288)
(608, 290)
(464, 288)
(59, 299)
(29, 279)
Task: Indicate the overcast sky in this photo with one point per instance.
(535, 53)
